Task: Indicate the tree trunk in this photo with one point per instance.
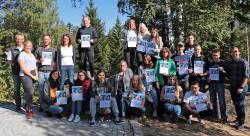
(179, 14)
(168, 25)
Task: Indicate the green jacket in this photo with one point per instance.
(171, 70)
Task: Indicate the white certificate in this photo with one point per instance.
(132, 41)
(77, 93)
(47, 58)
(189, 53)
(199, 104)
(61, 96)
(150, 75)
(214, 74)
(164, 67)
(150, 48)
(105, 100)
(169, 92)
(85, 41)
(183, 68)
(136, 101)
(141, 47)
(198, 67)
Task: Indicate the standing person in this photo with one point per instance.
(83, 81)
(237, 70)
(189, 46)
(89, 31)
(143, 35)
(121, 83)
(46, 62)
(101, 85)
(28, 74)
(200, 63)
(157, 39)
(12, 57)
(129, 52)
(50, 105)
(217, 87)
(66, 60)
(183, 66)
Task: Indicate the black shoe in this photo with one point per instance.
(18, 109)
(59, 116)
(40, 109)
(122, 119)
(118, 122)
(48, 114)
(92, 123)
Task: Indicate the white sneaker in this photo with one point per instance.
(202, 121)
(77, 119)
(71, 117)
(155, 114)
(123, 114)
(189, 121)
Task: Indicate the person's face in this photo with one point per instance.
(19, 40)
(28, 47)
(55, 75)
(172, 81)
(146, 61)
(86, 21)
(216, 56)
(46, 41)
(81, 76)
(101, 77)
(123, 67)
(235, 53)
(142, 28)
(132, 25)
(195, 89)
(135, 82)
(181, 49)
(66, 40)
(191, 39)
(197, 50)
(153, 33)
(165, 54)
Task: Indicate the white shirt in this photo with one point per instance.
(67, 56)
(29, 61)
(9, 55)
(189, 98)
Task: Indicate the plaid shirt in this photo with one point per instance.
(237, 71)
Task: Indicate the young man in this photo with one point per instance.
(12, 56)
(237, 70)
(216, 85)
(196, 103)
(46, 57)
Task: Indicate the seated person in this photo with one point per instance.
(84, 82)
(49, 104)
(171, 95)
(196, 103)
(100, 86)
(134, 97)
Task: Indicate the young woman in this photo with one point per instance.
(28, 74)
(156, 38)
(82, 80)
(100, 86)
(137, 88)
(66, 59)
(171, 95)
(146, 73)
(49, 104)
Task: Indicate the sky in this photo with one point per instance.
(106, 10)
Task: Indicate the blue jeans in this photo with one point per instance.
(172, 108)
(66, 70)
(53, 109)
(155, 99)
(17, 83)
(214, 89)
(76, 107)
(42, 77)
(239, 103)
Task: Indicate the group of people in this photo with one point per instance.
(162, 83)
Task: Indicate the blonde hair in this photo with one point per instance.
(146, 30)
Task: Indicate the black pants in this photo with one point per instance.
(130, 57)
(202, 114)
(83, 54)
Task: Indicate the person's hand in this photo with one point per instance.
(79, 41)
(41, 60)
(57, 104)
(240, 90)
(34, 77)
(157, 85)
(91, 41)
(190, 70)
(221, 69)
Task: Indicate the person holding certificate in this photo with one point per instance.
(164, 67)
(83, 83)
(200, 63)
(171, 95)
(189, 46)
(50, 105)
(46, 57)
(157, 40)
(216, 85)
(66, 60)
(147, 75)
(102, 86)
(143, 37)
(28, 74)
(129, 42)
(183, 66)
(86, 37)
(134, 98)
(197, 104)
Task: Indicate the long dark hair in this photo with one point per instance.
(53, 83)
